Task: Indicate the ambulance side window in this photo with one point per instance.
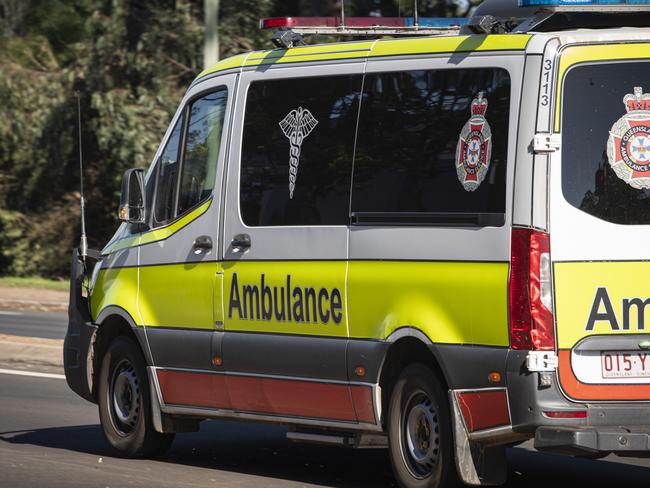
(166, 181)
(605, 143)
(202, 145)
(406, 160)
(296, 159)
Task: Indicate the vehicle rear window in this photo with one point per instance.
(296, 160)
(406, 167)
(605, 151)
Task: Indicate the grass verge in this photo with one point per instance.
(34, 282)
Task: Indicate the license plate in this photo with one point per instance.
(618, 364)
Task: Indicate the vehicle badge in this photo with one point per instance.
(474, 147)
(628, 146)
(297, 125)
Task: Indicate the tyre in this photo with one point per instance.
(419, 431)
(125, 403)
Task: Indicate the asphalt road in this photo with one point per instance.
(51, 438)
(33, 324)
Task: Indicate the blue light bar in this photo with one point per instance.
(595, 4)
(439, 22)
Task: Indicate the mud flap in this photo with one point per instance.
(478, 464)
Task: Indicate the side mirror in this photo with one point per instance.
(132, 198)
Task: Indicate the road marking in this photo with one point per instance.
(2, 312)
(32, 373)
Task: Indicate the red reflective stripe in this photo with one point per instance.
(363, 403)
(293, 398)
(195, 389)
(484, 409)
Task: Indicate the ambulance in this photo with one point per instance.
(436, 243)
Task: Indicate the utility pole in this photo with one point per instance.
(211, 46)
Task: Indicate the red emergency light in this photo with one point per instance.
(361, 25)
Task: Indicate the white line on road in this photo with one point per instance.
(32, 373)
(3, 312)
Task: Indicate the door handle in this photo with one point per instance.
(202, 244)
(241, 242)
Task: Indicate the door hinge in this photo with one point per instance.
(545, 142)
(539, 361)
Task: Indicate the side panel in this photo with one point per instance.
(453, 303)
(449, 281)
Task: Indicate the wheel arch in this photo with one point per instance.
(114, 321)
(408, 345)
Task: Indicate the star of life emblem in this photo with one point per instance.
(628, 146)
(297, 125)
(474, 147)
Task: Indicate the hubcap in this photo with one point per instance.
(420, 435)
(125, 397)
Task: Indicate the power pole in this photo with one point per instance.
(211, 46)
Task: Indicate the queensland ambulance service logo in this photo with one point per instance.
(628, 147)
(297, 125)
(474, 147)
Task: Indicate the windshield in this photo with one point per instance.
(606, 141)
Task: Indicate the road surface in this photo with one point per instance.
(51, 438)
(33, 324)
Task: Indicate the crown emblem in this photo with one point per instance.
(479, 105)
(637, 100)
(628, 146)
(474, 147)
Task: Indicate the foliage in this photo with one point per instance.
(129, 61)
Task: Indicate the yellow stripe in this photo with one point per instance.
(178, 295)
(228, 63)
(601, 52)
(116, 286)
(304, 274)
(575, 293)
(455, 303)
(366, 49)
(451, 44)
(450, 302)
(160, 233)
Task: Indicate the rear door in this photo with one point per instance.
(600, 222)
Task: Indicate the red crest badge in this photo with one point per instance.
(474, 147)
(628, 147)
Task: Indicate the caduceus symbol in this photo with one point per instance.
(297, 125)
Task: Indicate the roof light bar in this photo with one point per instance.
(588, 5)
(366, 25)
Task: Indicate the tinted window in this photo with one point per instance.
(409, 131)
(297, 151)
(592, 107)
(202, 145)
(167, 177)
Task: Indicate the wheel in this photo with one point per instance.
(419, 431)
(125, 403)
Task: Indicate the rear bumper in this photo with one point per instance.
(590, 440)
(622, 428)
(77, 360)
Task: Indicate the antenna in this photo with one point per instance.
(83, 243)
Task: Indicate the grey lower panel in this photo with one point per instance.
(368, 354)
(183, 348)
(467, 367)
(286, 355)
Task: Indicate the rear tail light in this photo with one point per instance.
(530, 291)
